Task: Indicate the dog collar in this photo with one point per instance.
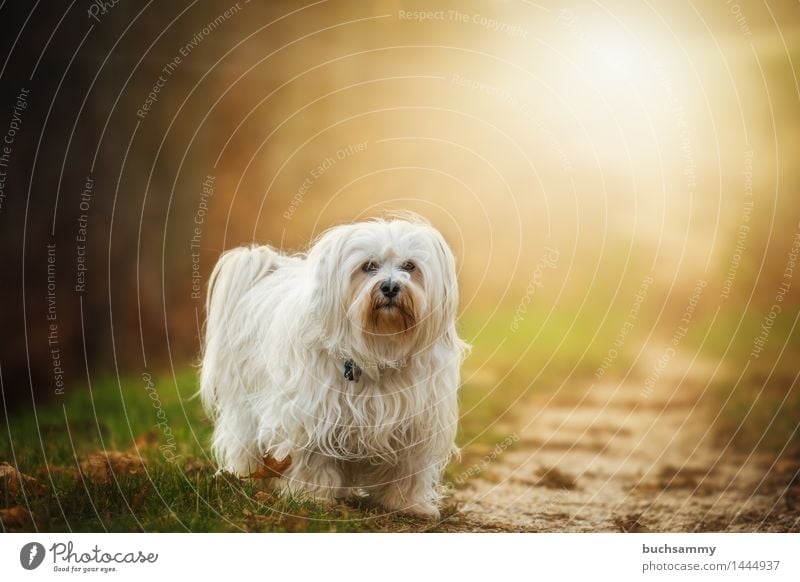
(351, 371)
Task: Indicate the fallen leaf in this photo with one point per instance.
(197, 466)
(272, 468)
(553, 478)
(15, 482)
(148, 439)
(103, 467)
(15, 517)
(631, 524)
(295, 523)
(141, 497)
(264, 497)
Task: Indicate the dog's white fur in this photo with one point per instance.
(278, 332)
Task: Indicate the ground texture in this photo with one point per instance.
(612, 459)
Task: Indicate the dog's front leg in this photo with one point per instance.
(409, 487)
(316, 474)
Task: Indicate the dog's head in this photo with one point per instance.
(384, 288)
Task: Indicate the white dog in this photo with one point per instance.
(345, 360)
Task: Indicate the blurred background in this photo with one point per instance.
(618, 180)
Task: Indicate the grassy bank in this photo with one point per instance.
(174, 487)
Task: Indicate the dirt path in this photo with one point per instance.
(613, 460)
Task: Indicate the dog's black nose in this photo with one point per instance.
(390, 288)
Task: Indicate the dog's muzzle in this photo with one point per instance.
(390, 289)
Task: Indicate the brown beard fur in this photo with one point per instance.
(397, 320)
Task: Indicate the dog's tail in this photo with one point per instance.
(236, 272)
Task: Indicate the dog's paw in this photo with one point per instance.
(424, 510)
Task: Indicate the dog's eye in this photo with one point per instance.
(408, 266)
(369, 267)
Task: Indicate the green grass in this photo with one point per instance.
(168, 499)
(760, 406)
(178, 493)
(760, 415)
(561, 349)
(183, 493)
(550, 350)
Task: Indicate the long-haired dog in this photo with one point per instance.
(344, 361)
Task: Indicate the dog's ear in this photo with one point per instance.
(328, 283)
(445, 292)
(447, 267)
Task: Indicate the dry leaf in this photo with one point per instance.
(148, 439)
(15, 481)
(197, 466)
(140, 498)
(272, 468)
(295, 523)
(263, 497)
(15, 517)
(103, 467)
(631, 524)
(553, 478)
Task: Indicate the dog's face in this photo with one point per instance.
(383, 287)
(386, 292)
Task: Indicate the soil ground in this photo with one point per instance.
(609, 460)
